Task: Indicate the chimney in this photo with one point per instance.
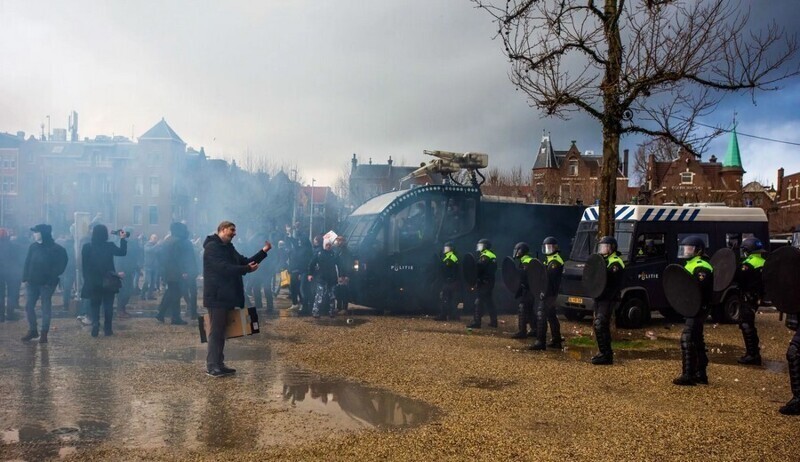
(370, 160)
(713, 159)
(21, 135)
(780, 183)
(353, 163)
(626, 156)
(390, 161)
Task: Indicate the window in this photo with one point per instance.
(9, 185)
(573, 167)
(138, 186)
(153, 215)
(650, 245)
(137, 214)
(459, 217)
(154, 186)
(687, 178)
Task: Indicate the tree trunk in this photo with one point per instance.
(611, 121)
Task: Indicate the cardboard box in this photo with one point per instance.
(240, 322)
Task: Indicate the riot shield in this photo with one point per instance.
(682, 290)
(595, 276)
(781, 275)
(537, 278)
(469, 268)
(724, 262)
(511, 275)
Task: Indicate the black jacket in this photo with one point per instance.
(45, 262)
(179, 259)
(97, 260)
(324, 267)
(223, 268)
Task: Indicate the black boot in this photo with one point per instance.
(793, 358)
(537, 346)
(689, 363)
(700, 375)
(603, 337)
(32, 334)
(493, 322)
(752, 354)
(43, 337)
(541, 332)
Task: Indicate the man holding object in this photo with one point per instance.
(223, 288)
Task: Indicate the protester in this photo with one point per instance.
(150, 286)
(128, 267)
(323, 271)
(100, 279)
(223, 288)
(46, 261)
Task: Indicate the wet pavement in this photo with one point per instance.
(77, 392)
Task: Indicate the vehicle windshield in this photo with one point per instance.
(356, 229)
(586, 240)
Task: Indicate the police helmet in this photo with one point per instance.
(691, 246)
(607, 245)
(752, 245)
(521, 249)
(549, 245)
(449, 246)
(484, 244)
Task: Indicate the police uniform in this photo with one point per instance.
(486, 269)
(693, 346)
(546, 311)
(525, 301)
(449, 268)
(793, 358)
(604, 306)
(749, 280)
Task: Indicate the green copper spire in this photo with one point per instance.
(732, 158)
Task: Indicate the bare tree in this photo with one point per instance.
(637, 66)
(342, 185)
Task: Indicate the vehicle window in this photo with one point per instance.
(459, 217)
(624, 239)
(733, 241)
(357, 228)
(650, 246)
(411, 226)
(584, 243)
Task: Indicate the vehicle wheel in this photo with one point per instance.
(632, 313)
(728, 311)
(573, 314)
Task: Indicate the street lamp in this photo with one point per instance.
(311, 214)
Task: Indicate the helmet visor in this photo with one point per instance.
(604, 249)
(480, 247)
(549, 249)
(447, 249)
(686, 251)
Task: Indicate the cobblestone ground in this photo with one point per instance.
(386, 388)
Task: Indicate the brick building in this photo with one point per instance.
(369, 180)
(688, 179)
(786, 214)
(571, 176)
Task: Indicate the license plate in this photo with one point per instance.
(577, 300)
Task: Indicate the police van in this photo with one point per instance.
(648, 238)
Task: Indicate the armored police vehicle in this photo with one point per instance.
(397, 238)
(648, 238)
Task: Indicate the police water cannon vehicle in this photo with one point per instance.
(397, 237)
(648, 238)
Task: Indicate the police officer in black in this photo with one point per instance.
(450, 272)
(693, 346)
(484, 286)
(546, 312)
(749, 280)
(793, 358)
(525, 299)
(607, 301)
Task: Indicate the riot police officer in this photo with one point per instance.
(693, 346)
(484, 286)
(607, 301)
(793, 358)
(749, 280)
(451, 280)
(546, 312)
(525, 300)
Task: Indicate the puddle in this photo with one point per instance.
(486, 383)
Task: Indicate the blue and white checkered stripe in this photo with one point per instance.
(625, 212)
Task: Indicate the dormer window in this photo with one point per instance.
(573, 167)
(789, 193)
(687, 178)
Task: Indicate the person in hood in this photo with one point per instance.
(178, 265)
(97, 264)
(46, 261)
(223, 288)
(127, 266)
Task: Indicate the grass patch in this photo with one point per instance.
(587, 341)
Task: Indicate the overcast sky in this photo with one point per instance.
(309, 83)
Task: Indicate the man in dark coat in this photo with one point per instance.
(45, 262)
(223, 288)
(127, 266)
(323, 270)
